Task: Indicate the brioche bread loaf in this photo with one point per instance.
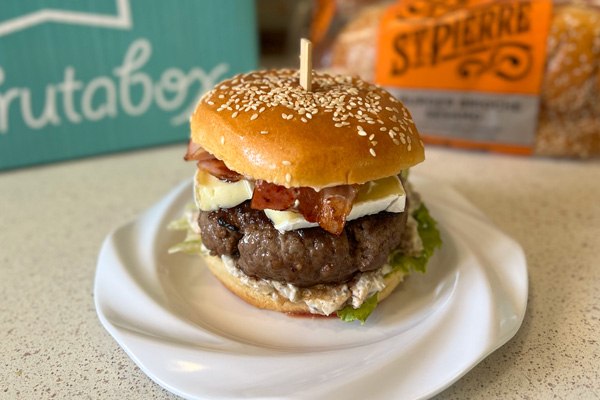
(569, 115)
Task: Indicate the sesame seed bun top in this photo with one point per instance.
(264, 125)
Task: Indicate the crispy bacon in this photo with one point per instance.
(332, 208)
(196, 152)
(272, 196)
(210, 163)
(328, 207)
(218, 169)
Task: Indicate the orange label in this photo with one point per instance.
(470, 71)
(482, 45)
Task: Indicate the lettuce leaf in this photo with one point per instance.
(430, 235)
(192, 244)
(349, 314)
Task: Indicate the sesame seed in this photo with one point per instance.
(286, 162)
(264, 132)
(349, 101)
(288, 177)
(212, 103)
(372, 151)
(222, 139)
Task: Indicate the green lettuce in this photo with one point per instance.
(349, 313)
(430, 235)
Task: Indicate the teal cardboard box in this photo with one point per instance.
(86, 77)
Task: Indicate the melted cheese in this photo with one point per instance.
(211, 193)
(385, 194)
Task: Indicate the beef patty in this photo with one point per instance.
(304, 257)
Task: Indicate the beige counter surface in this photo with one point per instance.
(53, 219)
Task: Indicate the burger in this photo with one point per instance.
(302, 200)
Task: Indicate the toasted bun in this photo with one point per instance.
(274, 301)
(264, 125)
(569, 118)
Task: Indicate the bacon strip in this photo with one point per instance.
(218, 169)
(196, 152)
(272, 196)
(328, 207)
(333, 207)
(210, 163)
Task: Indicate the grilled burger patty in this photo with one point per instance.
(304, 257)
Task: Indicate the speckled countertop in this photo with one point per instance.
(53, 220)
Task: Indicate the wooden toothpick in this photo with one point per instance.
(306, 64)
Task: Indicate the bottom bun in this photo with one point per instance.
(272, 300)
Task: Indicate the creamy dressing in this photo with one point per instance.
(320, 299)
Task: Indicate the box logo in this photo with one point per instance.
(121, 20)
(91, 77)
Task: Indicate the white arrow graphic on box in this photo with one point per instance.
(120, 21)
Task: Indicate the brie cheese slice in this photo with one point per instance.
(385, 194)
(210, 194)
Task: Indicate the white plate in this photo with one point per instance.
(196, 339)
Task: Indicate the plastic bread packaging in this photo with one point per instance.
(562, 110)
